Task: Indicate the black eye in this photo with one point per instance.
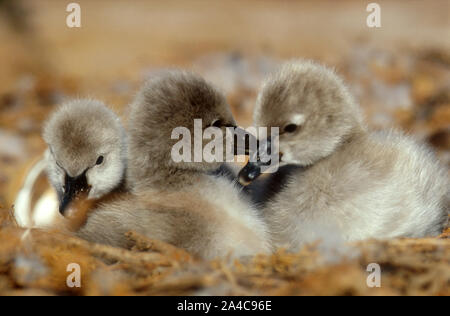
(99, 160)
(217, 123)
(290, 128)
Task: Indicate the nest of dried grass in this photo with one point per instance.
(34, 262)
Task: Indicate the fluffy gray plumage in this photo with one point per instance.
(364, 184)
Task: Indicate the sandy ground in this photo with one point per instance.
(118, 38)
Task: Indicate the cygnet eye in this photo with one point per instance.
(100, 160)
(290, 128)
(217, 123)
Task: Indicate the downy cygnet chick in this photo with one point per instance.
(86, 151)
(87, 165)
(209, 210)
(364, 184)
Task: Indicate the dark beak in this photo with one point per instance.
(249, 173)
(244, 142)
(252, 169)
(73, 187)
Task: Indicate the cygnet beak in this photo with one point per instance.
(73, 187)
(252, 170)
(243, 142)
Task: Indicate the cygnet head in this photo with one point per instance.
(86, 151)
(168, 103)
(313, 109)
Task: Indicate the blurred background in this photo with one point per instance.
(399, 73)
